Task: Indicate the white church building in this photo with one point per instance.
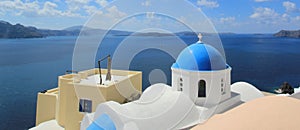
(201, 87)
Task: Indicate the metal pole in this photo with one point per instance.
(100, 72)
(108, 75)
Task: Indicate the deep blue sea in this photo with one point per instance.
(28, 66)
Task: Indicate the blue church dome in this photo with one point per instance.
(200, 57)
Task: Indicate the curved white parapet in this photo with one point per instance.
(284, 95)
(247, 91)
(296, 95)
(86, 121)
(150, 111)
(48, 125)
(297, 90)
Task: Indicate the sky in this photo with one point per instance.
(237, 16)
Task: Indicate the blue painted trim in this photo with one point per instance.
(103, 122)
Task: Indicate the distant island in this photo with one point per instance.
(156, 34)
(288, 33)
(7, 30)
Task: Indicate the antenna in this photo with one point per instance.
(108, 74)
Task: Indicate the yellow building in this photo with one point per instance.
(79, 93)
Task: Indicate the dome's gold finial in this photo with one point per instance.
(200, 37)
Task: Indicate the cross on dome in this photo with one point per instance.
(200, 37)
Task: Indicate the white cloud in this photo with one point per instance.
(108, 17)
(33, 9)
(84, 5)
(11, 6)
(102, 3)
(270, 18)
(290, 6)
(49, 9)
(208, 3)
(152, 22)
(146, 3)
(79, 1)
(285, 18)
(90, 10)
(75, 5)
(265, 15)
(263, 12)
(226, 24)
(115, 13)
(261, 0)
(227, 20)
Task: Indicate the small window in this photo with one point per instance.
(201, 88)
(223, 92)
(180, 79)
(85, 105)
(222, 87)
(180, 84)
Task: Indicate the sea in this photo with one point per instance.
(28, 66)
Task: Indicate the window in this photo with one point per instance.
(180, 84)
(85, 105)
(222, 87)
(201, 88)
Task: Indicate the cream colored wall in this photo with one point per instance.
(46, 106)
(62, 103)
(68, 111)
(63, 81)
(72, 114)
(136, 80)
